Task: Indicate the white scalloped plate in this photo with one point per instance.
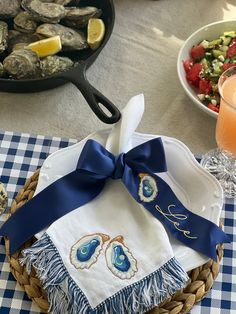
(199, 191)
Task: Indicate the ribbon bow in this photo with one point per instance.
(136, 169)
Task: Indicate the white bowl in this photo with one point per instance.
(209, 32)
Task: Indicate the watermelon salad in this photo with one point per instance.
(207, 61)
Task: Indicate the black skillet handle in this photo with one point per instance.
(94, 98)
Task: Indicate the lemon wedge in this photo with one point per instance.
(96, 32)
(46, 47)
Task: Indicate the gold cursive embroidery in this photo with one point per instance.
(175, 223)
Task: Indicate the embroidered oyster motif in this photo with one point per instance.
(120, 260)
(147, 188)
(85, 252)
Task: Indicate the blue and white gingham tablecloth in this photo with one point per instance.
(20, 155)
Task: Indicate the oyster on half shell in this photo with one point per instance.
(78, 17)
(22, 64)
(44, 11)
(24, 23)
(3, 36)
(71, 39)
(55, 64)
(17, 39)
(9, 8)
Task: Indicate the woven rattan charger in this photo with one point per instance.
(200, 282)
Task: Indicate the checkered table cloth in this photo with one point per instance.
(20, 155)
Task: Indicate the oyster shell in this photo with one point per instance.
(24, 23)
(148, 189)
(78, 17)
(44, 11)
(3, 198)
(55, 64)
(3, 36)
(12, 33)
(22, 64)
(120, 259)
(86, 251)
(71, 39)
(2, 72)
(19, 46)
(17, 38)
(9, 8)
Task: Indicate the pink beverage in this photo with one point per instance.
(226, 122)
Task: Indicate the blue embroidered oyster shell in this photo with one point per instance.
(85, 252)
(120, 260)
(147, 188)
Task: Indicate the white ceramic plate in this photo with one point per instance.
(198, 190)
(209, 32)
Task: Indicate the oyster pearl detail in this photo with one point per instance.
(147, 188)
(120, 260)
(85, 252)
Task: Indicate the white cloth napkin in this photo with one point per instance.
(110, 255)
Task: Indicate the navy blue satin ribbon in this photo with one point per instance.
(137, 170)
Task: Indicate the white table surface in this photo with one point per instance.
(139, 57)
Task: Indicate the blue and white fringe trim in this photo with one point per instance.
(66, 297)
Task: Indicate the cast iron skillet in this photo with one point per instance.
(76, 75)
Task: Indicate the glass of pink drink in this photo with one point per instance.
(222, 161)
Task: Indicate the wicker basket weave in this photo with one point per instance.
(200, 282)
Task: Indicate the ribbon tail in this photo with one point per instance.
(219, 237)
(14, 241)
(207, 239)
(64, 195)
(158, 198)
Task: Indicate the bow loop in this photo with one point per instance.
(95, 159)
(148, 157)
